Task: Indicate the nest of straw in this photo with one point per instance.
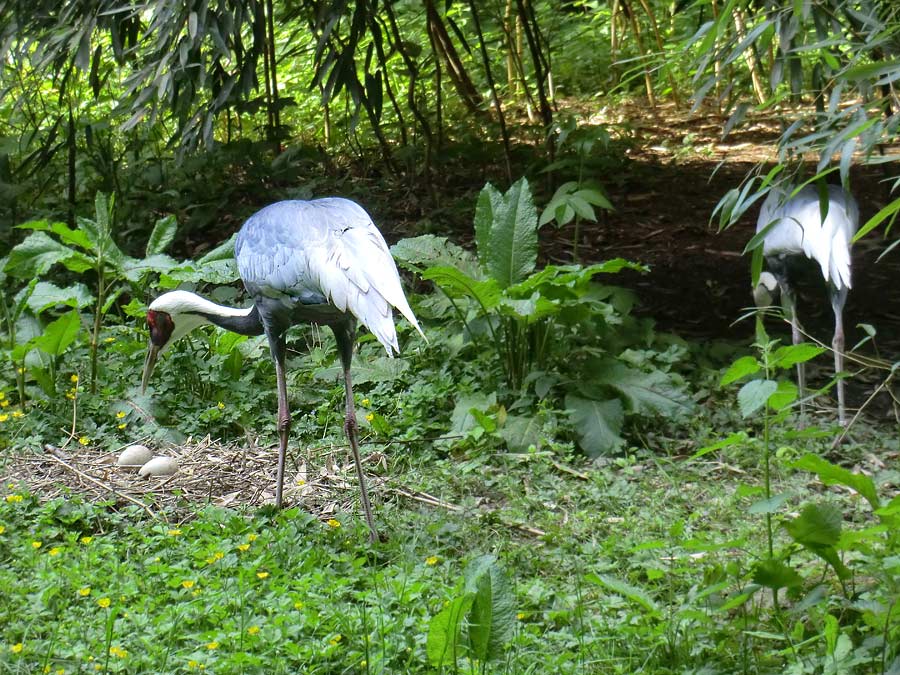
(322, 480)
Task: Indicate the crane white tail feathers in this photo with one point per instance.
(797, 225)
(328, 250)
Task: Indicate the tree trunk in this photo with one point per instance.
(490, 78)
(467, 91)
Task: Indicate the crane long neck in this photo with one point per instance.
(244, 324)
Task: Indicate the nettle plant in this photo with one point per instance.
(552, 332)
(850, 616)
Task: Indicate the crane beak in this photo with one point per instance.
(149, 362)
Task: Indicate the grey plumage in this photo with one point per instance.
(320, 261)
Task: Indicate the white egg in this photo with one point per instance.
(134, 456)
(159, 466)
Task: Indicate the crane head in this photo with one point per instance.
(765, 290)
(170, 317)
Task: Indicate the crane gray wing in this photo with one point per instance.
(324, 251)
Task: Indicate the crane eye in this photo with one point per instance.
(161, 327)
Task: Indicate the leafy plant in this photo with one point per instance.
(476, 623)
(550, 328)
(90, 247)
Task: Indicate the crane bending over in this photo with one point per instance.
(320, 261)
(801, 225)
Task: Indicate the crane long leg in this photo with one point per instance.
(345, 337)
(789, 304)
(838, 298)
(276, 344)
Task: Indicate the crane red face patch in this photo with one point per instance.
(161, 327)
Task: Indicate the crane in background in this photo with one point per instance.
(807, 223)
(321, 261)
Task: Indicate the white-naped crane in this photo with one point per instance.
(321, 261)
(818, 225)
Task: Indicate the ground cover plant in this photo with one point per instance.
(595, 464)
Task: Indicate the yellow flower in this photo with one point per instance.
(86, 540)
(262, 575)
(17, 648)
(195, 664)
(121, 426)
(84, 592)
(109, 339)
(4, 403)
(253, 630)
(333, 523)
(74, 379)
(2, 529)
(104, 602)
(56, 550)
(252, 537)
(36, 544)
(212, 645)
(365, 401)
(84, 440)
(337, 638)
(298, 605)
(120, 414)
(11, 499)
(243, 547)
(2, 396)
(17, 414)
(118, 651)
(4, 417)
(431, 560)
(218, 555)
(521, 615)
(187, 583)
(174, 533)
(70, 396)
(220, 405)
(370, 417)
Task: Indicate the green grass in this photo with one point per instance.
(636, 572)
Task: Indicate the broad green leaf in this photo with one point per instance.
(775, 574)
(224, 251)
(818, 528)
(817, 525)
(626, 590)
(789, 356)
(38, 253)
(512, 252)
(754, 395)
(492, 617)
(490, 202)
(521, 432)
(456, 284)
(770, 505)
(134, 269)
(162, 235)
(785, 395)
(462, 419)
(59, 334)
(746, 365)
(442, 645)
(597, 424)
(831, 474)
(428, 250)
(595, 197)
(644, 392)
(45, 295)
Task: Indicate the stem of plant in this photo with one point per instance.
(95, 334)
